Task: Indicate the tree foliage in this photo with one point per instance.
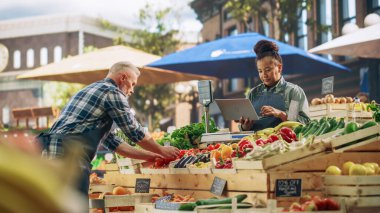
(283, 14)
(155, 37)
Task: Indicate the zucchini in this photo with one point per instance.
(239, 198)
(187, 207)
(368, 124)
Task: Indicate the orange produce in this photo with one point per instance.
(119, 190)
(216, 154)
(226, 152)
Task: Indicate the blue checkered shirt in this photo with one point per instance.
(92, 108)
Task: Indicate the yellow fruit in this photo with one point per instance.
(234, 146)
(226, 152)
(358, 169)
(346, 167)
(375, 165)
(370, 171)
(333, 170)
(378, 171)
(369, 165)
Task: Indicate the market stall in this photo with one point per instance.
(286, 164)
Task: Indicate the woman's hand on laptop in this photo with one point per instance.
(246, 124)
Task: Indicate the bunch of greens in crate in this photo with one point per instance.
(188, 136)
(376, 110)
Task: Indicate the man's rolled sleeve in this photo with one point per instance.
(118, 109)
(112, 142)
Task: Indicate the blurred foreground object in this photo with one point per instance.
(30, 184)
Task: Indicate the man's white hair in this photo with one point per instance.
(124, 66)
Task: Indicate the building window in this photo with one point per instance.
(302, 30)
(43, 56)
(232, 31)
(348, 11)
(16, 59)
(250, 25)
(325, 22)
(57, 54)
(266, 27)
(30, 58)
(373, 6)
(227, 15)
(233, 84)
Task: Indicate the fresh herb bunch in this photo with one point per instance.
(376, 110)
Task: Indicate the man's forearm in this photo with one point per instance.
(128, 151)
(149, 144)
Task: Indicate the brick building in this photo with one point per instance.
(31, 42)
(218, 22)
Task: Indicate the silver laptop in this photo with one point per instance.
(234, 109)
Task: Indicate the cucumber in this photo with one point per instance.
(187, 207)
(368, 124)
(239, 198)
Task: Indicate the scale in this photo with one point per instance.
(205, 98)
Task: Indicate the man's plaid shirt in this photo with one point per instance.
(92, 108)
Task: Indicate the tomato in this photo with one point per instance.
(217, 146)
(210, 147)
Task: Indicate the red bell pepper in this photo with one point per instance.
(287, 134)
(260, 142)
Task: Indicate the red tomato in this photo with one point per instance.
(217, 146)
(210, 147)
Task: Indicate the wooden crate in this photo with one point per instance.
(355, 139)
(358, 191)
(125, 200)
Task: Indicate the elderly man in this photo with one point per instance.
(88, 117)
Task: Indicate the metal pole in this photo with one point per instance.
(207, 118)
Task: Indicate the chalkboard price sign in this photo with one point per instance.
(288, 187)
(142, 185)
(218, 185)
(328, 85)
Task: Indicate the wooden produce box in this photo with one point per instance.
(356, 139)
(357, 191)
(120, 201)
(324, 110)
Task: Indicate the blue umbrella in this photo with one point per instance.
(233, 57)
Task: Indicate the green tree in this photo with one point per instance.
(282, 14)
(157, 38)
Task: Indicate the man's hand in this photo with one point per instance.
(271, 111)
(246, 124)
(169, 152)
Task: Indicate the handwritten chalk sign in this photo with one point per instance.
(142, 185)
(328, 85)
(164, 203)
(288, 187)
(218, 185)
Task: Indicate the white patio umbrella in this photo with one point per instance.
(93, 66)
(363, 43)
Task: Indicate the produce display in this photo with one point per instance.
(353, 169)
(323, 126)
(214, 202)
(330, 99)
(313, 203)
(376, 110)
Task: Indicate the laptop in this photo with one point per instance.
(234, 109)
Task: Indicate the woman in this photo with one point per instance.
(274, 98)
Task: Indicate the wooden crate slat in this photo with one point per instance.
(359, 146)
(360, 201)
(235, 182)
(310, 180)
(126, 200)
(248, 164)
(353, 191)
(321, 161)
(360, 134)
(290, 156)
(351, 180)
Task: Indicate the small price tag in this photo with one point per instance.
(328, 85)
(142, 185)
(164, 203)
(218, 185)
(288, 187)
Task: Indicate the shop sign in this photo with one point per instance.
(142, 185)
(218, 185)
(288, 187)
